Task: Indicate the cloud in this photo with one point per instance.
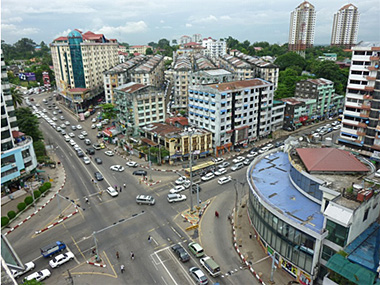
(13, 20)
(162, 21)
(226, 17)
(207, 19)
(65, 33)
(25, 32)
(128, 28)
(188, 25)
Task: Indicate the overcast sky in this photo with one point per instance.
(143, 21)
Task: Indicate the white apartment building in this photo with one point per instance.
(150, 72)
(345, 26)
(360, 124)
(302, 27)
(184, 40)
(196, 38)
(235, 112)
(214, 48)
(79, 61)
(240, 68)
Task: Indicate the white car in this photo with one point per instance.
(81, 137)
(220, 171)
(377, 173)
(238, 159)
(113, 193)
(67, 138)
(61, 259)
(176, 198)
(208, 176)
(72, 142)
(118, 168)
(63, 126)
(109, 153)
(39, 276)
(218, 160)
(86, 160)
(28, 266)
(252, 154)
(79, 127)
(93, 126)
(132, 164)
(177, 189)
(224, 180)
(54, 119)
(71, 135)
(180, 180)
(84, 133)
(67, 123)
(337, 127)
(93, 120)
(269, 146)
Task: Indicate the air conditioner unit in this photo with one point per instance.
(13, 164)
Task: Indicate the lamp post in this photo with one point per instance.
(190, 132)
(236, 182)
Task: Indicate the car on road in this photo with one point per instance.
(39, 275)
(218, 160)
(220, 171)
(176, 198)
(247, 161)
(84, 133)
(80, 137)
(198, 275)
(140, 172)
(72, 142)
(98, 176)
(62, 118)
(96, 146)
(67, 123)
(99, 135)
(224, 180)
(132, 164)
(117, 168)
(102, 145)
(63, 126)
(90, 150)
(28, 267)
(61, 259)
(180, 180)
(224, 165)
(145, 199)
(71, 135)
(196, 249)
(86, 160)
(87, 141)
(54, 119)
(177, 189)
(67, 138)
(79, 127)
(109, 153)
(181, 252)
(196, 188)
(93, 120)
(80, 153)
(252, 154)
(112, 192)
(74, 128)
(98, 160)
(238, 159)
(63, 132)
(208, 176)
(337, 127)
(93, 126)
(377, 173)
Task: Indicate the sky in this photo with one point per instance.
(139, 22)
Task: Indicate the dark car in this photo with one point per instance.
(80, 153)
(90, 150)
(98, 176)
(195, 186)
(140, 172)
(99, 135)
(181, 252)
(98, 160)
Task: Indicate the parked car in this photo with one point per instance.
(117, 168)
(224, 165)
(61, 259)
(96, 146)
(79, 127)
(180, 180)
(87, 141)
(224, 180)
(83, 133)
(28, 267)
(109, 153)
(39, 275)
(112, 192)
(177, 189)
(181, 253)
(80, 137)
(74, 128)
(218, 160)
(86, 160)
(176, 198)
(252, 154)
(140, 172)
(90, 150)
(71, 135)
(220, 171)
(198, 275)
(93, 120)
(247, 161)
(196, 249)
(238, 159)
(208, 176)
(98, 176)
(98, 160)
(132, 164)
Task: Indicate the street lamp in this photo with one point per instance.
(236, 182)
(190, 132)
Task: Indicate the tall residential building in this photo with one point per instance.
(234, 112)
(196, 38)
(302, 27)
(345, 26)
(214, 48)
(242, 69)
(18, 158)
(150, 72)
(360, 124)
(79, 61)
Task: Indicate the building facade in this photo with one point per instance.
(345, 26)
(18, 158)
(150, 72)
(138, 105)
(242, 69)
(360, 124)
(79, 61)
(214, 48)
(302, 27)
(141, 49)
(234, 112)
(278, 112)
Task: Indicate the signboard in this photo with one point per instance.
(46, 78)
(29, 76)
(289, 267)
(304, 278)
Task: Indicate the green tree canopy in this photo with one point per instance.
(148, 51)
(109, 111)
(17, 97)
(28, 123)
(290, 59)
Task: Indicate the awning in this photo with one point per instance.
(148, 141)
(349, 142)
(339, 214)
(39, 171)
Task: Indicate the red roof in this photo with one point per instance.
(238, 84)
(78, 89)
(330, 160)
(191, 44)
(181, 120)
(61, 39)
(17, 134)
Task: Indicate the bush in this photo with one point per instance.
(37, 194)
(11, 214)
(21, 206)
(4, 221)
(28, 200)
(48, 185)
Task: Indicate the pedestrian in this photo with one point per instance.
(117, 255)
(92, 180)
(132, 255)
(125, 186)
(122, 268)
(149, 239)
(250, 235)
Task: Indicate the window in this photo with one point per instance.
(337, 233)
(365, 214)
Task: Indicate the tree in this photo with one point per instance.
(17, 97)
(153, 45)
(148, 51)
(108, 111)
(174, 42)
(290, 59)
(25, 45)
(330, 70)
(28, 123)
(163, 43)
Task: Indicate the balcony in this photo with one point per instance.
(369, 88)
(370, 78)
(360, 133)
(374, 58)
(362, 125)
(372, 68)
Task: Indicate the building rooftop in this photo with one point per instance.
(161, 129)
(215, 72)
(131, 87)
(228, 86)
(270, 177)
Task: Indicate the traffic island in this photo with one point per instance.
(93, 260)
(193, 217)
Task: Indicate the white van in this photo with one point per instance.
(237, 166)
(211, 266)
(145, 199)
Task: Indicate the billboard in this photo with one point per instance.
(46, 79)
(28, 76)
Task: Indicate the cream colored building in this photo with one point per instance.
(345, 26)
(139, 49)
(79, 61)
(242, 69)
(150, 72)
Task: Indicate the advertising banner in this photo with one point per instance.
(28, 76)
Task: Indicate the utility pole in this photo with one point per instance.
(191, 171)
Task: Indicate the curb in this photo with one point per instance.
(96, 264)
(242, 256)
(58, 222)
(43, 206)
(200, 212)
(151, 184)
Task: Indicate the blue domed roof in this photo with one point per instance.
(74, 34)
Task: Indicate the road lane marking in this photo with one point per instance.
(75, 243)
(166, 269)
(110, 263)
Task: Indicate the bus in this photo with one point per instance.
(203, 167)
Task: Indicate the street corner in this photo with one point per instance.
(96, 260)
(193, 216)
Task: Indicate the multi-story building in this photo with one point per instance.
(320, 89)
(297, 111)
(79, 61)
(214, 48)
(361, 113)
(196, 38)
(278, 111)
(234, 112)
(122, 48)
(138, 105)
(302, 27)
(345, 26)
(328, 56)
(18, 158)
(150, 72)
(118, 75)
(141, 49)
(184, 40)
(240, 68)
(177, 141)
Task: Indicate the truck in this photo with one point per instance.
(52, 248)
(210, 265)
